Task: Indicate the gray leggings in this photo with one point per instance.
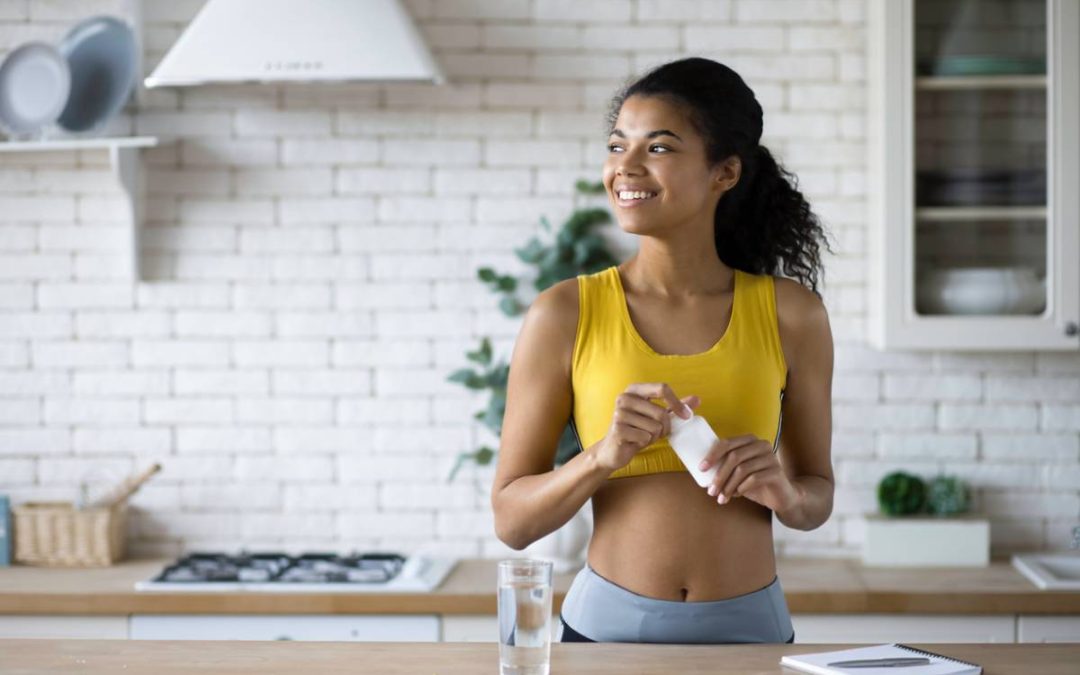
(599, 610)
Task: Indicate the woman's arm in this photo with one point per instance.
(529, 498)
(797, 484)
(806, 438)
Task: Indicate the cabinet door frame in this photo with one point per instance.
(893, 322)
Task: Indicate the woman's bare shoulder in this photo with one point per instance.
(558, 304)
(800, 314)
(795, 299)
(552, 319)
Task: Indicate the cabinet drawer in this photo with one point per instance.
(878, 628)
(91, 627)
(1034, 628)
(336, 628)
(483, 628)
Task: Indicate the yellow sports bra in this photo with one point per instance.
(740, 379)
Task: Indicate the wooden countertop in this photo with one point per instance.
(92, 657)
(812, 586)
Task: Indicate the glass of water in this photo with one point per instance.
(524, 617)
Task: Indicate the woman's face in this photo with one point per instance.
(656, 173)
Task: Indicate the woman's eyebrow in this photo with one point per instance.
(651, 134)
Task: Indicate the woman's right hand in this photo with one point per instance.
(638, 422)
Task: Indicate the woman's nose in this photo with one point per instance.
(628, 164)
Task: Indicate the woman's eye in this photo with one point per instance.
(618, 148)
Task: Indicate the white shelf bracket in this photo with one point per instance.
(125, 156)
(127, 166)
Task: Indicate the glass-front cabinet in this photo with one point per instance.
(974, 143)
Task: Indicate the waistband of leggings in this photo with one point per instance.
(605, 611)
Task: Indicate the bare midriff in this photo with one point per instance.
(662, 536)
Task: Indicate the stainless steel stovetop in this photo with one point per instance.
(308, 572)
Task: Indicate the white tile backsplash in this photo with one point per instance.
(309, 283)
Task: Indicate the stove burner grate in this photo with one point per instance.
(269, 567)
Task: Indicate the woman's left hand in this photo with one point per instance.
(749, 468)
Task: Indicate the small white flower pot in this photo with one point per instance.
(931, 541)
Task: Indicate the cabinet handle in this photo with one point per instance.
(1071, 329)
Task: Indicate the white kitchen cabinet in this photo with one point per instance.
(459, 628)
(974, 190)
(809, 628)
(815, 628)
(1043, 628)
(334, 628)
(880, 628)
(55, 627)
(470, 628)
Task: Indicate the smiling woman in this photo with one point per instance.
(697, 322)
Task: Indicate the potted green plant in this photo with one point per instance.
(575, 249)
(925, 523)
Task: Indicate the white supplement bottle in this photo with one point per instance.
(691, 440)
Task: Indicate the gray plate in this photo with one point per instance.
(101, 54)
(34, 86)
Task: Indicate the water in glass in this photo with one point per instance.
(525, 618)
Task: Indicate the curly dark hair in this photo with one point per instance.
(763, 225)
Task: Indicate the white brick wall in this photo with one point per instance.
(310, 259)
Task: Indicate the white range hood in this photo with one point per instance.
(298, 41)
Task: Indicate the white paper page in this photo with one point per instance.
(937, 666)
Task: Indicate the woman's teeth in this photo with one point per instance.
(636, 195)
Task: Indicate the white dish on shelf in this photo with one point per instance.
(34, 85)
(101, 53)
(981, 291)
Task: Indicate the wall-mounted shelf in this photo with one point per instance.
(969, 213)
(125, 157)
(929, 82)
(79, 144)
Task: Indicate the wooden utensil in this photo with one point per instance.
(127, 488)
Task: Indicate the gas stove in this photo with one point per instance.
(308, 572)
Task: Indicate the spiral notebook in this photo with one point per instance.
(939, 665)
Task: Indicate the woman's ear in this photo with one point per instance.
(728, 173)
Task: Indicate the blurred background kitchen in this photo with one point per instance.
(267, 287)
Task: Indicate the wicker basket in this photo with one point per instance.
(56, 534)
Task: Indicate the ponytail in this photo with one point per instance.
(764, 225)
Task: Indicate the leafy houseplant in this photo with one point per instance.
(901, 494)
(947, 496)
(925, 523)
(576, 249)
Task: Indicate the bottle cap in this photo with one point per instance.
(678, 422)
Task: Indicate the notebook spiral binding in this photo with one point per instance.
(940, 656)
